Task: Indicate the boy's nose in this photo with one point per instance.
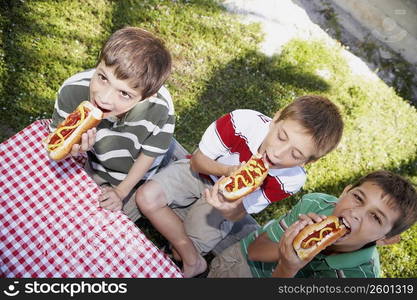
(105, 96)
(280, 151)
(356, 214)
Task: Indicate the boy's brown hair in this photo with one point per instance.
(139, 57)
(403, 196)
(320, 117)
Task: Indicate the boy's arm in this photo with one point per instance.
(111, 198)
(275, 244)
(216, 141)
(232, 211)
(263, 249)
(289, 263)
(136, 173)
(201, 163)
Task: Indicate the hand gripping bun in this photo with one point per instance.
(316, 237)
(59, 143)
(245, 179)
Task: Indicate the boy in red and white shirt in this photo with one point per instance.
(301, 133)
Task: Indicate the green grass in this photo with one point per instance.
(217, 68)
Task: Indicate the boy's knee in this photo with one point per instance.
(150, 197)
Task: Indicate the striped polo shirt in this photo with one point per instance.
(147, 128)
(363, 263)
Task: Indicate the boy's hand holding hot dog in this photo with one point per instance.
(87, 142)
(76, 133)
(247, 178)
(230, 210)
(242, 179)
(289, 263)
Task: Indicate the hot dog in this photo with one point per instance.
(316, 237)
(59, 143)
(245, 179)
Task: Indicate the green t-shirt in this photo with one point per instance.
(361, 263)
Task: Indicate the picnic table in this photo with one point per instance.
(52, 226)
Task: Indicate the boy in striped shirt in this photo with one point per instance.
(128, 145)
(305, 130)
(376, 209)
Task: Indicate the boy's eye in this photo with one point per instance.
(281, 137)
(125, 95)
(358, 198)
(376, 218)
(102, 77)
(294, 156)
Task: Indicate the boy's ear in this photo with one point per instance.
(389, 241)
(309, 162)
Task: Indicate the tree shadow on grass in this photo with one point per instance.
(145, 11)
(407, 169)
(253, 81)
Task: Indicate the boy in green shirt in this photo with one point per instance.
(377, 209)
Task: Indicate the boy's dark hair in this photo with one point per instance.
(139, 57)
(403, 196)
(320, 117)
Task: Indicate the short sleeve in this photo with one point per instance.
(72, 92)
(211, 144)
(158, 142)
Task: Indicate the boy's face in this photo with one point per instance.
(368, 213)
(113, 96)
(287, 144)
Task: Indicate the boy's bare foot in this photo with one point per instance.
(199, 267)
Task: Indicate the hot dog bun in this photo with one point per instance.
(306, 252)
(255, 170)
(59, 145)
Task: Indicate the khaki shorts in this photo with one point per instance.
(184, 191)
(181, 185)
(231, 263)
(129, 203)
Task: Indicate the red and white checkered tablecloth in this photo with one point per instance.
(51, 225)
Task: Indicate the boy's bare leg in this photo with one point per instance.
(172, 228)
(175, 254)
(152, 203)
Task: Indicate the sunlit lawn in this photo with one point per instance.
(217, 68)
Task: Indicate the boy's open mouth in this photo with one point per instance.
(344, 223)
(101, 108)
(270, 163)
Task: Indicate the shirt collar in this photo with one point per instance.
(351, 259)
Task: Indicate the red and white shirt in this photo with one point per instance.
(234, 138)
